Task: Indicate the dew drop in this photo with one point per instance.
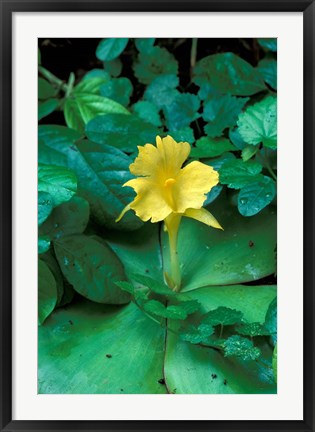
(66, 261)
(243, 200)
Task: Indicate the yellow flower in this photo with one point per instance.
(163, 187)
(166, 191)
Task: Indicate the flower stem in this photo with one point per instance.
(193, 53)
(172, 223)
(52, 78)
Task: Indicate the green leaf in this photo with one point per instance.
(154, 285)
(192, 369)
(80, 108)
(258, 124)
(186, 134)
(69, 218)
(144, 44)
(110, 48)
(213, 195)
(182, 111)
(236, 139)
(270, 44)
(229, 74)
(47, 291)
(93, 353)
(43, 244)
(243, 252)
(221, 112)
(45, 206)
(150, 64)
(274, 363)
(47, 107)
(222, 316)
(45, 89)
(59, 182)
(271, 320)
(237, 346)
(256, 196)
(248, 152)
(90, 84)
(96, 73)
(253, 329)
(123, 132)
(119, 90)
(148, 112)
(138, 294)
(196, 335)
(268, 70)
(237, 174)
(92, 268)
(177, 312)
(207, 147)
(113, 67)
(53, 266)
(162, 90)
(101, 172)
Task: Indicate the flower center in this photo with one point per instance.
(169, 182)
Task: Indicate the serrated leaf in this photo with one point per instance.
(237, 174)
(138, 294)
(92, 268)
(270, 44)
(237, 346)
(153, 285)
(207, 147)
(255, 196)
(148, 112)
(47, 107)
(144, 44)
(229, 74)
(181, 111)
(45, 206)
(162, 90)
(258, 123)
(47, 291)
(118, 89)
(221, 112)
(59, 182)
(68, 218)
(177, 312)
(253, 329)
(120, 131)
(268, 70)
(110, 48)
(158, 61)
(80, 108)
(222, 316)
(196, 335)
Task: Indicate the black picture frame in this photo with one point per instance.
(7, 8)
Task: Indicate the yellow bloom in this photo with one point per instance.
(163, 187)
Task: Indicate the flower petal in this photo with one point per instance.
(192, 183)
(204, 216)
(160, 162)
(149, 202)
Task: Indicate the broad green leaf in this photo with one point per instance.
(255, 196)
(45, 89)
(191, 369)
(148, 112)
(207, 147)
(237, 174)
(223, 316)
(248, 152)
(271, 320)
(118, 89)
(181, 111)
(268, 70)
(110, 48)
(218, 162)
(186, 134)
(274, 363)
(96, 73)
(243, 252)
(144, 44)
(113, 67)
(80, 108)
(162, 90)
(47, 291)
(59, 182)
(270, 44)
(258, 123)
(101, 172)
(237, 346)
(150, 64)
(45, 206)
(68, 218)
(43, 244)
(121, 131)
(100, 349)
(47, 107)
(213, 195)
(236, 139)
(229, 74)
(221, 112)
(53, 266)
(177, 312)
(90, 84)
(92, 268)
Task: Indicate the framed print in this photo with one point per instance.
(157, 215)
